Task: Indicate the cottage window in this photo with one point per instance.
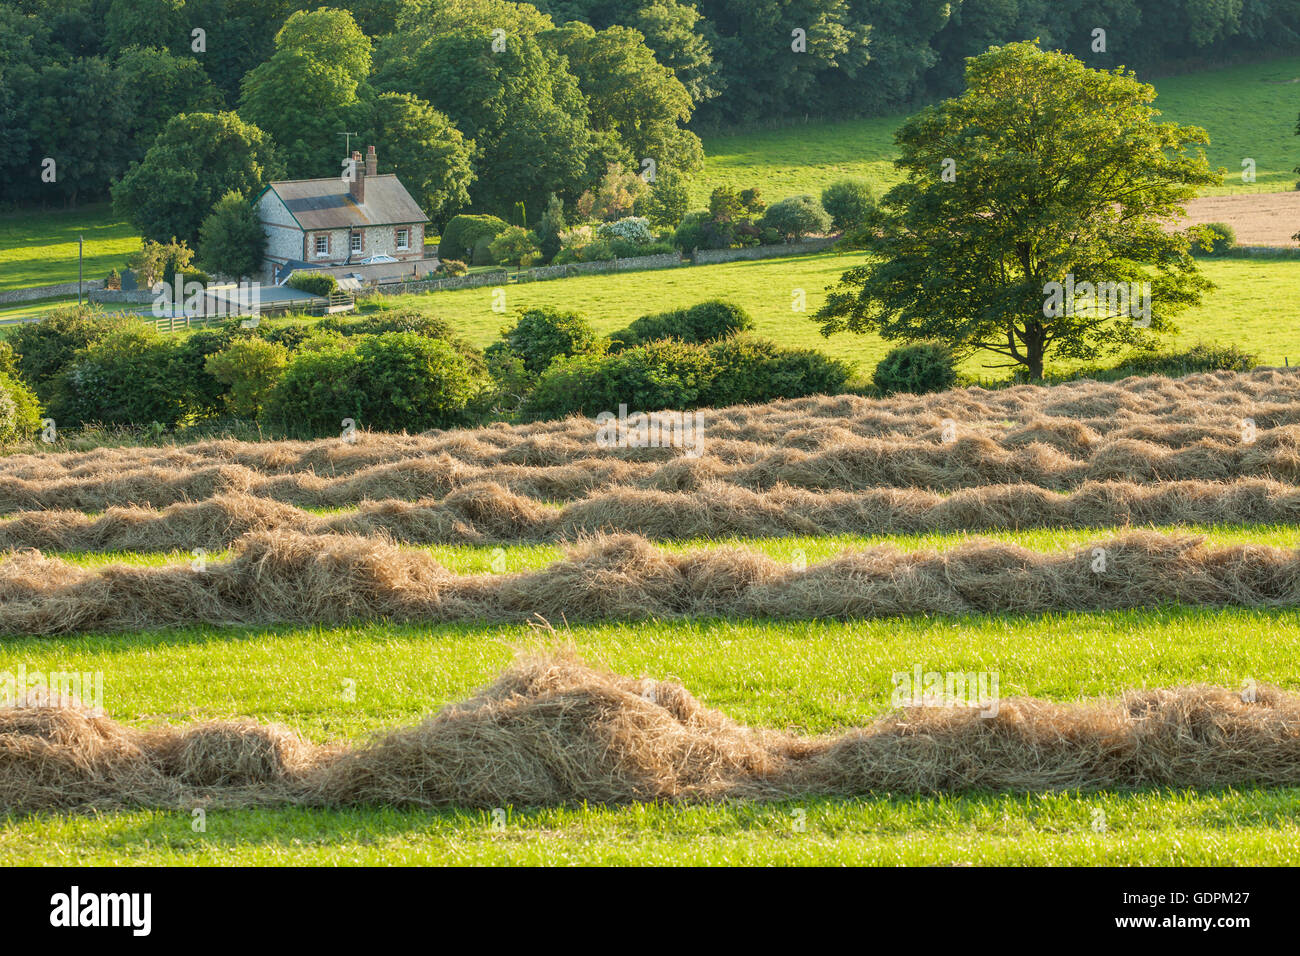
(356, 242)
(322, 245)
(403, 239)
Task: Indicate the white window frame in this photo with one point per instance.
(316, 247)
(356, 242)
(403, 240)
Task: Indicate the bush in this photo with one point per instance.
(204, 393)
(623, 249)
(917, 368)
(231, 239)
(757, 370)
(397, 320)
(703, 322)
(389, 382)
(314, 283)
(848, 202)
(513, 246)
(1225, 240)
(290, 335)
(631, 229)
(129, 377)
(690, 233)
(1199, 358)
(542, 335)
(20, 411)
(796, 217)
(251, 368)
(452, 267)
(463, 232)
(45, 348)
(664, 374)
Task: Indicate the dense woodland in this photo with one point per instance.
(479, 120)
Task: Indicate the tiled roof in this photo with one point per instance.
(327, 204)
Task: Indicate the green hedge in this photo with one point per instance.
(703, 322)
(315, 283)
(464, 232)
(129, 377)
(918, 368)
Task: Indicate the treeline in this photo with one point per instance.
(491, 105)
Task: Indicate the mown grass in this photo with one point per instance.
(811, 677)
(39, 247)
(1249, 111)
(483, 558)
(1254, 306)
(1155, 828)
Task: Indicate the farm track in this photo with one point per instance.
(285, 578)
(487, 513)
(551, 732)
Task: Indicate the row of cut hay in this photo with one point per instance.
(282, 577)
(552, 732)
(486, 513)
(1074, 418)
(971, 461)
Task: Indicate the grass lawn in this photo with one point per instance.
(1254, 306)
(39, 247)
(1249, 111)
(812, 677)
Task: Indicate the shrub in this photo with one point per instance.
(542, 335)
(917, 368)
(633, 229)
(796, 217)
(129, 377)
(756, 370)
(20, 411)
(702, 322)
(514, 246)
(251, 368)
(45, 348)
(623, 249)
(231, 239)
(1199, 358)
(690, 233)
(452, 267)
(664, 374)
(204, 393)
(290, 335)
(389, 382)
(397, 320)
(461, 234)
(1224, 241)
(314, 283)
(848, 202)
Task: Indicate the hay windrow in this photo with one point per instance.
(289, 578)
(487, 513)
(553, 732)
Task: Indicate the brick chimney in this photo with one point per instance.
(357, 188)
(372, 162)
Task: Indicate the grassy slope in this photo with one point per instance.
(1245, 109)
(809, 676)
(1254, 306)
(40, 248)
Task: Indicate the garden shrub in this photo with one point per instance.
(848, 202)
(543, 334)
(46, 347)
(1225, 240)
(463, 232)
(129, 377)
(314, 283)
(452, 268)
(918, 368)
(757, 370)
(702, 322)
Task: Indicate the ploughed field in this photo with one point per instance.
(535, 644)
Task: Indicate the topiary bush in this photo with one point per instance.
(917, 368)
(314, 283)
(20, 410)
(463, 232)
(452, 268)
(703, 322)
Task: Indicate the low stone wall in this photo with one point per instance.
(708, 257)
(135, 297)
(49, 291)
(542, 273)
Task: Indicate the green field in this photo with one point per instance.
(1249, 111)
(1254, 306)
(39, 247)
(811, 677)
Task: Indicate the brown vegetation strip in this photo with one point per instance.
(551, 732)
(1073, 418)
(487, 513)
(969, 462)
(282, 577)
